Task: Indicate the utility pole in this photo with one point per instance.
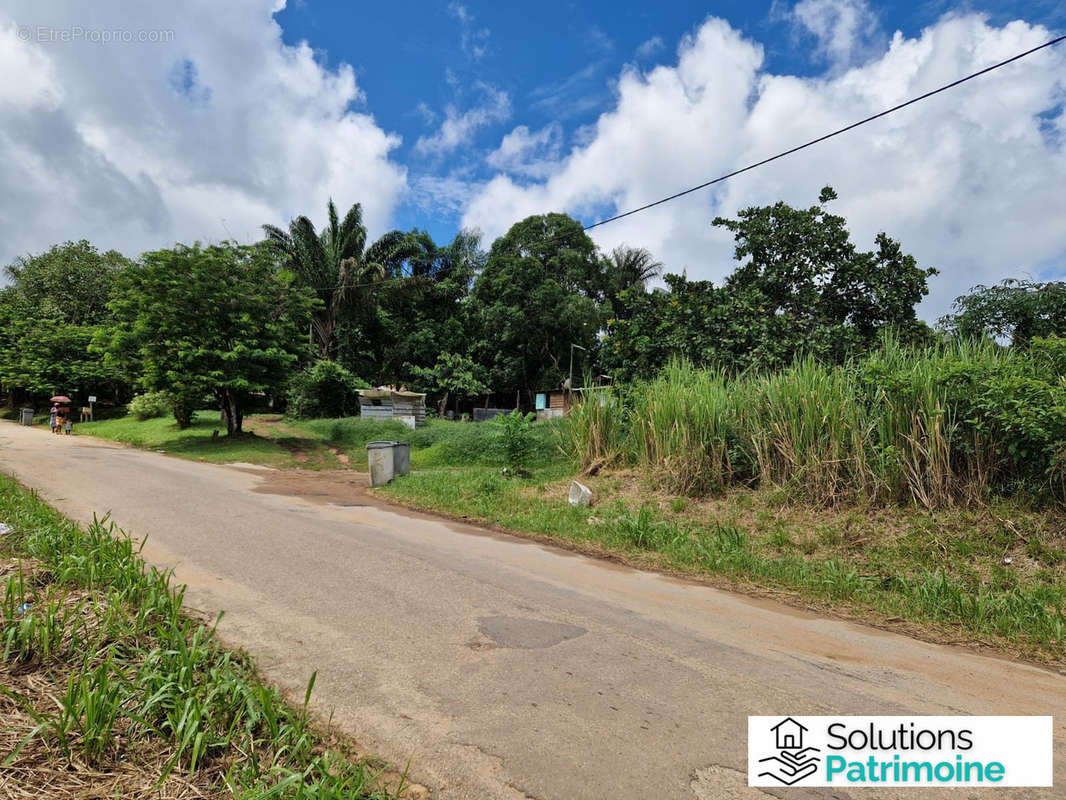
(570, 380)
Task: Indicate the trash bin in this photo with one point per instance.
(27, 416)
(387, 460)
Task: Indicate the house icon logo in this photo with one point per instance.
(793, 762)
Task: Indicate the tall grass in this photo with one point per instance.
(685, 427)
(937, 426)
(142, 677)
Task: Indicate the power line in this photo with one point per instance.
(805, 145)
(782, 154)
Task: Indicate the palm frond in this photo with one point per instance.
(352, 234)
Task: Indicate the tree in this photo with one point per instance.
(626, 268)
(421, 316)
(338, 266)
(197, 321)
(55, 305)
(817, 292)
(537, 295)
(802, 287)
(452, 375)
(1015, 310)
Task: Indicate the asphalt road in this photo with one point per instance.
(503, 668)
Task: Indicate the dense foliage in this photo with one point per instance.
(55, 305)
(1015, 311)
(537, 296)
(324, 389)
(220, 321)
(802, 288)
(787, 342)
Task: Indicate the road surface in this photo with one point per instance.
(503, 668)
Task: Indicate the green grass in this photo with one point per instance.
(437, 443)
(272, 447)
(275, 441)
(944, 572)
(123, 679)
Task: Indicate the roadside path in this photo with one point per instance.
(504, 668)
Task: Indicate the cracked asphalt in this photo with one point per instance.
(503, 668)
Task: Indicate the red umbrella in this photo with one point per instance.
(60, 398)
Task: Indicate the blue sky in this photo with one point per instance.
(203, 120)
(557, 61)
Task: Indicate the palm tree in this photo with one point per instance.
(624, 268)
(338, 266)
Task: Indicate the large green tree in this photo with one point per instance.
(54, 306)
(801, 287)
(1014, 310)
(816, 290)
(339, 267)
(221, 321)
(537, 295)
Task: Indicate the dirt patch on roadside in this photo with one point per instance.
(342, 487)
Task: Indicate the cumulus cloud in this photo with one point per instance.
(844, 30)
(136, 125)
(459, 127)
(969, 181)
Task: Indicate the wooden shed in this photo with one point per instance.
(553, 403)
(387, 403)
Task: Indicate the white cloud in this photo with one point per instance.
(134, 145)
(650, 47)
(474, 40)
(523, 152)
(459, 127)
(443, 194)
(969, 181)
(580, 92)
(845, 30)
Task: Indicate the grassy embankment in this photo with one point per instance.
(107, 689)
(268, 440)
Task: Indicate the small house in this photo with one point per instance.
(553, 403)
(385, 402)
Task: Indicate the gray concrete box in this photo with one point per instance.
(386, 460)
(27, 416)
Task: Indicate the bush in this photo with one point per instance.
(517, 439)
(325, 389)
(150, 405)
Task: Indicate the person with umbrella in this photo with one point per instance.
(60, 413)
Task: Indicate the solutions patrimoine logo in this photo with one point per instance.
(793, 762)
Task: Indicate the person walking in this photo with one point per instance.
(53, 418)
